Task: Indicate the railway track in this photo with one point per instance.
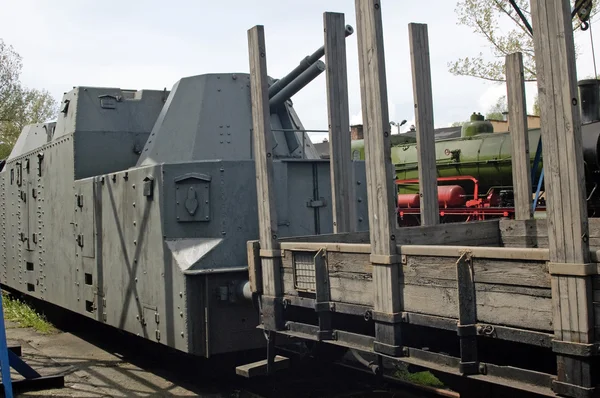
(216, 378)
(337, 381)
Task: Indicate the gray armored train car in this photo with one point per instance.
(134, 208)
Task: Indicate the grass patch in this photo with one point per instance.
(18, 311)
(422, 378)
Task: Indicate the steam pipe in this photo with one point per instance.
(304, 65)
(297, 84)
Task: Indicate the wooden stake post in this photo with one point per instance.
(339, 121)
(380, 183)
(267, 214)
(423, 97)
(517, 113)
(566, 201)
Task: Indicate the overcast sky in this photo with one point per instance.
(150, 44)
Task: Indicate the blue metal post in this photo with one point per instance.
(4, 361)
(537, 191)
(536, 162)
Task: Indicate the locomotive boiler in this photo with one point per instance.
(475, 170)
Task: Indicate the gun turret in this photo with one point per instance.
(309, 68)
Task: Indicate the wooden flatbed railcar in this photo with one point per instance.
(510, 302)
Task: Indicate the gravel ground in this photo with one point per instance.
(99, 361)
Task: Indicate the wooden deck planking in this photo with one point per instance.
(534, 233)
(482, 233)
(504, 272)
(522, 306)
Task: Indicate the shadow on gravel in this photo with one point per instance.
(214, 377)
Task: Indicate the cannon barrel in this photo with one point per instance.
(297, 84)
(304, 65)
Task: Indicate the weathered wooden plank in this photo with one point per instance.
(515, 310)
(523, 228)
(508, 309)
(339, 122)
(564, 178)
(467, 315)
(480, 252)
(496, 271)
(585, 303)
(254, 266)
(322, 294)
(260, 368)
(352, 291)
(337, 247)
(360, 263)
(539, 228)
(483, 287)
(489, 268)
(262, 139)
(482, 233)
(376, 127)
(323, 297)
(561, 130)
(517, 112)
(525, 241)
(348, 237)
(492, 265)
(340, 262)
(345, 289)
(423, 101)
(541, 242)
(381, 189)
(496, 304)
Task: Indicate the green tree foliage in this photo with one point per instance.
(497, 110)
(536, 106)
(19, 105)
(10, 67)
(498, 23)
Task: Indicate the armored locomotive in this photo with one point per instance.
(135, 208)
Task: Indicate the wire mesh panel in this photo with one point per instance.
(304, 271)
